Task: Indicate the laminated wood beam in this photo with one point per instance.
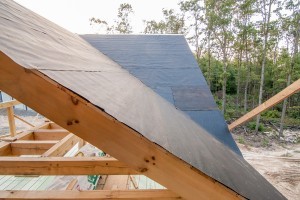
(91, 195)
(288, 91)
(63, 166)
(103, 131)
(31, 147)
(63, 146)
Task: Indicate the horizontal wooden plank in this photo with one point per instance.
(50, 134)
(31, 147)
(5, 149)
(288, 91)
(8, 104)
(90, 195)
(63, 166)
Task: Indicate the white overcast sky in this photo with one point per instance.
(74, 15)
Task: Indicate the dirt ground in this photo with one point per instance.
(277, 160)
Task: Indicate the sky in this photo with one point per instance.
(74, 15)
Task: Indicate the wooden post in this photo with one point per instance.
(11, 121)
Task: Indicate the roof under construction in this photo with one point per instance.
(60, 75)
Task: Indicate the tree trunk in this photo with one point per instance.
(266, 33)
(209, 62)
(224, 82)
(296, 43)
(247, 80)
(238, 81)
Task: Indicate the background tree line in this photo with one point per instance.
(248, 50)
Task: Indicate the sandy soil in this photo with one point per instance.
(281, 167)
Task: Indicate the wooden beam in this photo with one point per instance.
(23, 120)
(5, 149)
(91, 195)
(63, 166)
(8, 104)
(11, 121)
(288, 91)
(105, 132)
(50, 134)
(31, 147)
(63, 146)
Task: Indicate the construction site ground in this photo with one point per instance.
(278, 160)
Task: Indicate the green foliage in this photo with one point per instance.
(271, 114)
(265, 142)
(122, 23)
(251, 125)
(294, 112)
(172, 24)
(241, 140)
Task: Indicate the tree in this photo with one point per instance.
(122, 23)
(266, 9)
(222, 12)
(292, 25)
(173, 23)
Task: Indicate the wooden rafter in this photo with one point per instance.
(91, 195)
(288, 91)
(95, 126)
(63, 166)
(63, 146)
(31, 147)
(8, 104)
(50, 134)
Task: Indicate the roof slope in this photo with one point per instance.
(166, 64)
(35, 50)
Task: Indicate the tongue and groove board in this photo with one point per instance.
(61, 76)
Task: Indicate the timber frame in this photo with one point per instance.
(81, 117)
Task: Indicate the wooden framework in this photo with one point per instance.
(92, 195)
(288, 91)
(95, 126)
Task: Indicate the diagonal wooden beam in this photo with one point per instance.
(63, 166)
(103, 131)
(288, 91)
(63, 146)
(91, 195)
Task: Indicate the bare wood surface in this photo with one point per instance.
(63, 166)
(91, 195)
(288, 91)
(5, 149)
(63, 146)
(31, 147)
(50, 134)
(11, 121)
(8, 104)
(23, 120)
(108, 134)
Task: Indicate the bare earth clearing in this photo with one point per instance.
(277, 161)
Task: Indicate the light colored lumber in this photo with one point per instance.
(5, 149)
(50, 134)
(116, 182)
(91, 195)
(72, 184)
(134, 183)
(31, 147)
(23, 120)
(63, 166)
(103, 131)
(288, 91)
(11, 121)
(63, 146)
(8, 104)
